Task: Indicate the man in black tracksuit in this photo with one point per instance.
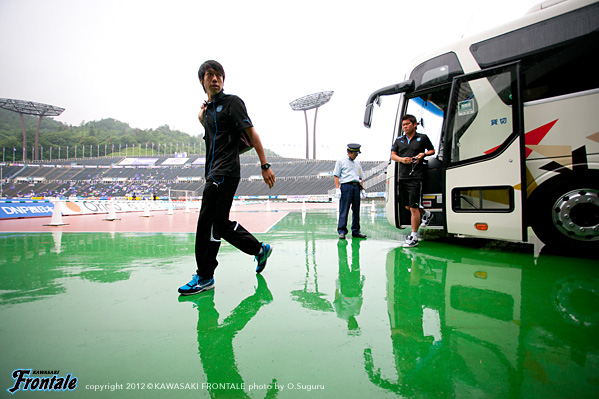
(224, 117)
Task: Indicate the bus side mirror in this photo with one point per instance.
(402, 87)
(368, 115)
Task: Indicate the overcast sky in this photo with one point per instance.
(137, 61)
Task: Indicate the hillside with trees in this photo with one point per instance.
(106, 137)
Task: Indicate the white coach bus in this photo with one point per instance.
(514, 117)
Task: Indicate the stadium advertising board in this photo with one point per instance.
(175, 161)
(308, 198)
(138, 161)
(20, 209)
(30, 208)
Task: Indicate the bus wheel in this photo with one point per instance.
(569, 216)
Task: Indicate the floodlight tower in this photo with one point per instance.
(30, 108)
(312, 101)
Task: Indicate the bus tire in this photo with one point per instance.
(567, 214)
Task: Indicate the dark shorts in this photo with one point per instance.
(411, 192)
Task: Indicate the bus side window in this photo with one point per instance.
(483, 116)
(467, 109)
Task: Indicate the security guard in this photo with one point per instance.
(348, 186)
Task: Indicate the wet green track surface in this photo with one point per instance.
(328, 318)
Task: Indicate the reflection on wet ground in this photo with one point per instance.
(328, 318)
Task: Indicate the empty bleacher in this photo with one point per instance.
(108, 177)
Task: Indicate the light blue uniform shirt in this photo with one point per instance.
(348, 171)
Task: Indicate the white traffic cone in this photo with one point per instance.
(57, 215)
(147, 210)
(111, 211)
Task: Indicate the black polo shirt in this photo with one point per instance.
(224, 120)
(420, 143)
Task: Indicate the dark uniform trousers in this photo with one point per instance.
(350, 196)
(214, 224)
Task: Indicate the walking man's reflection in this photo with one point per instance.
(215, 341)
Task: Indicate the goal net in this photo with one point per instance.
(182, 194)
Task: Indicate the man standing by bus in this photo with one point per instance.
(409, 150)
(348, 188)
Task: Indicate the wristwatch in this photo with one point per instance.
(265, 166)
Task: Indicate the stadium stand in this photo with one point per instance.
(122, 177)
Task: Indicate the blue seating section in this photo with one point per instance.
(103, 177)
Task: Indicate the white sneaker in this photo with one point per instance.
(411, 242)
(426, 219)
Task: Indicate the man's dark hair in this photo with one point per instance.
(410, 118)
(210, 64)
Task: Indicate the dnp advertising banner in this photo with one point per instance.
(20, 209)
(31, 208)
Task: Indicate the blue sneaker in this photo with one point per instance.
(196, 285)
(262, 257)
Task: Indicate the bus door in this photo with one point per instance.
(428, 108)
(484, 155)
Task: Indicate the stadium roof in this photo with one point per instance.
(30, 107)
